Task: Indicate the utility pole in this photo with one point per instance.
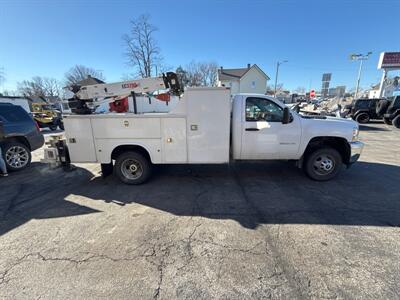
(277, 73)
(361, 58)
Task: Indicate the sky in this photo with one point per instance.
(48, 37)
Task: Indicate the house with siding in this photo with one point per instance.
(244, 80)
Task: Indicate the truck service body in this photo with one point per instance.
(208, 126)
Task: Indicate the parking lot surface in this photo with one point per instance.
(249, 230)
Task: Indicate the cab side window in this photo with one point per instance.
(260, 109)
(363, 104)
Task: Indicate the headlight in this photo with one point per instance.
(355, 134)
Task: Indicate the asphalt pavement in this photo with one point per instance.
(248, 230)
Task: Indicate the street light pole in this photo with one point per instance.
(358, 79)
(361, 58)
(277, 73)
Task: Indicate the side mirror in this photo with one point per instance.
(286, 115)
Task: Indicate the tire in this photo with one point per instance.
(396, 122)
(387, 121)
(132, 168)
(17, 156)
(362, 118)
(317, 164)
(381, 107)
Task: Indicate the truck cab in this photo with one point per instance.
(263, 128)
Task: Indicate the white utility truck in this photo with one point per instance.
(208, 126)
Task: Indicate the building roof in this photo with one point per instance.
(375, 86)
(89, 81)
(228, 74)
(37, 99)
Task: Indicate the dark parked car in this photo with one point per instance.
(19, 135)
(390, 110)
(363, 110)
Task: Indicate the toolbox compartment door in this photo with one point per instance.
(174, 140)
(80, 140)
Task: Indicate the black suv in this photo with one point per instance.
(19, 135)
(390, 110)
(363, 110)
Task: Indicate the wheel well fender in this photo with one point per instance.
(124, 148)
(20, 139)
(362, 112)
(338, 143)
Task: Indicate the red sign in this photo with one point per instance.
(389, 60)
(312, 93)
(130, 85)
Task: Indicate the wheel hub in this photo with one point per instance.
(324, 164)
(131, 169)
(17, 157)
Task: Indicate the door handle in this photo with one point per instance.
(252, 129)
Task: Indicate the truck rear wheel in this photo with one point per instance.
(396, 122)
(323, 164)
(362, 118)
(132, 168)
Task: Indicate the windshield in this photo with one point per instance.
(47, 107)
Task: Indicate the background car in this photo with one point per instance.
(390, 110)
(363, 110)
(20, 135)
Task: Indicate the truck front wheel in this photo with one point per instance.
(323, 164)
(132, 167)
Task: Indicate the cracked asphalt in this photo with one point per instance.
(249, 230)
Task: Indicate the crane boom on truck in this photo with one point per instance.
(84, 94)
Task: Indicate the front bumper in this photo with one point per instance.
(356, 149)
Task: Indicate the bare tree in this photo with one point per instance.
(9, 93)
(193, 74)
(201, 74)
(300, 90)
(208, 71)
(280, 89)
(40, 87)
(80, 72)
(141, 47)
